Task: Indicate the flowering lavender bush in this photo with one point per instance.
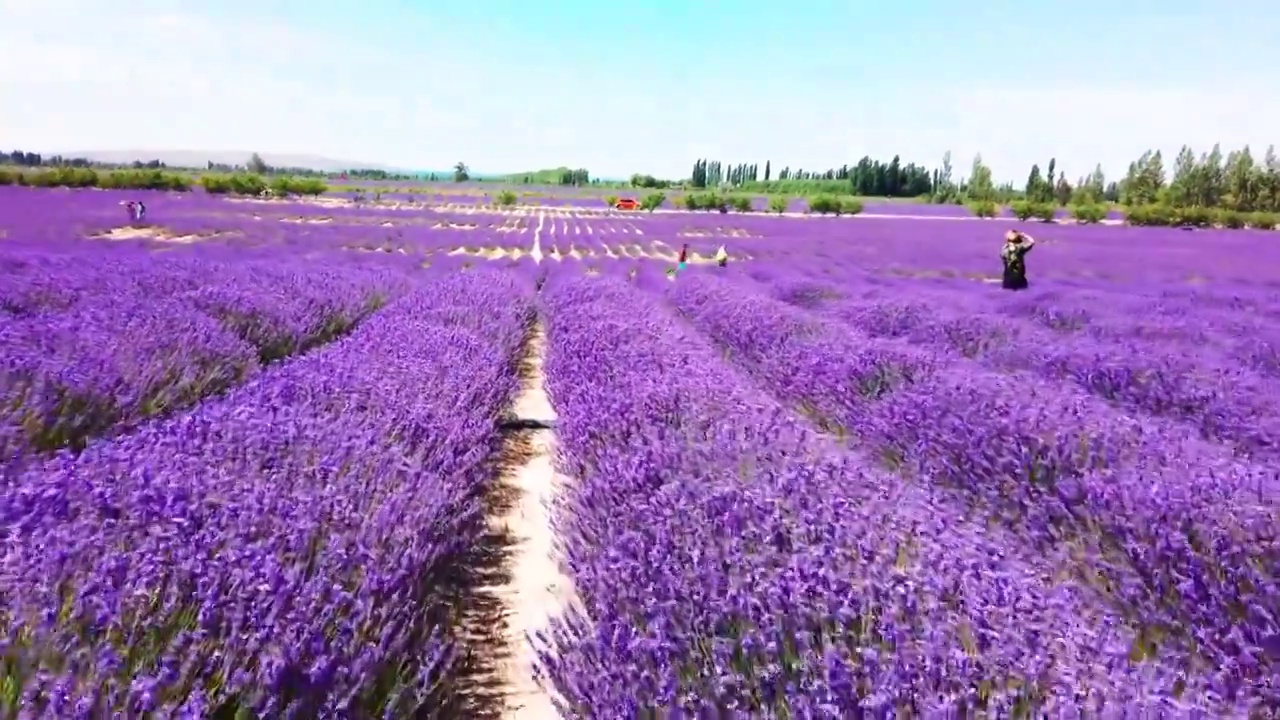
(1179, 535)
(724, 567)
(93, 348)
(283, 550)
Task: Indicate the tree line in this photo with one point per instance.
(869, 177)
(236, 183)
(253, 165)
(1232, 189)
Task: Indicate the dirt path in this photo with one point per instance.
(536, 253)
(536, 590)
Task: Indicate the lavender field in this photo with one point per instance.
(253, 455)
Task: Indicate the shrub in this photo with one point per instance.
(1230, 219)
(216, 184)
(506, 198)
(1149, 215)
(247, 184)
(742, 203)
(1022, 209)
(778, 205)
(691, 202)
(309, 186)
(1089, 213)
(611, 200)
(1191, 216)
(714, 201)
(823, 204)
(653, 201)
(1044, 212)
(280, 186)
(285, 186)
(850, 206)
(143, 180)
(1262, 221)
(983, 208)
(62, 177)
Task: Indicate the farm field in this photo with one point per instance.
(437, 460)
(462, 194)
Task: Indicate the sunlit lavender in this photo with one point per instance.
(244, 448)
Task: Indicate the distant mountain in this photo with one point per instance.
(200, 159)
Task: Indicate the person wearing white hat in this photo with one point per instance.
(722, 257)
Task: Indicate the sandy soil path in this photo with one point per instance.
(536, 590)
(536, 253)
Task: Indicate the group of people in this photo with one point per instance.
(722, 257)
(1016, 246)
(1014, 256)
(137, 210)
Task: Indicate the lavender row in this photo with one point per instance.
(1183, 538)
(148, 343)
(726, 568)
(1237, 328)
(282, 551)
(1241, 329)
(1163, 361)
(1185, 383)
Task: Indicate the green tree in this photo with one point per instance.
(944, 187)
(1034, 184)
(980, 186)
(461, 173)
(1182, 184)
(1145, 181)
(256, 165)
(1240, 176)
(1062, 191)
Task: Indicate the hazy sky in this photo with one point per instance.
(647, 85)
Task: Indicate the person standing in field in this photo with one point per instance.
(722, 257)
(133, 213)
(684, 255)
(1013, 254)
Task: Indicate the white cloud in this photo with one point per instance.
(96, 76)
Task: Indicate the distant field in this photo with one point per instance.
(260, 454)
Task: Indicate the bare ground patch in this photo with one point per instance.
(716, 232)
(152, 232)
(306, 220)
(487, 253)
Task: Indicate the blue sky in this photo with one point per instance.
(644, 86)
